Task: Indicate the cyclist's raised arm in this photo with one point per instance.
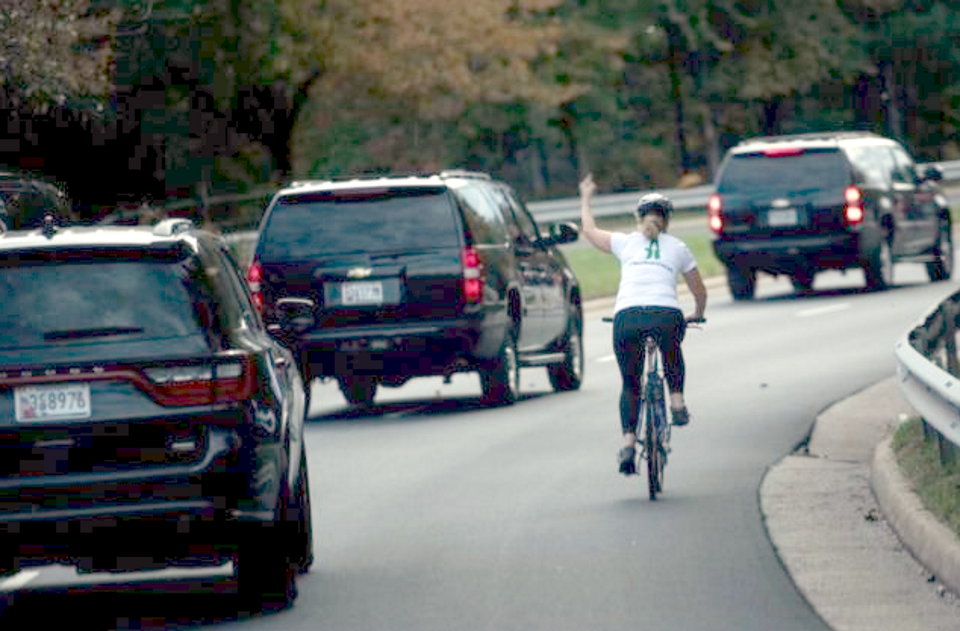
(599, 238)
(699, 291)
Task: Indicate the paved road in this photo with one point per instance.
(436, 513)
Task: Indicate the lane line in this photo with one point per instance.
(19, 580)
(607, 358)
(819, 311)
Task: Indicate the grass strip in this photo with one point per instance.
(937, 485)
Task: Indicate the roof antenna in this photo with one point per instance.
(49, 225)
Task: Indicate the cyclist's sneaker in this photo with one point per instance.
(627, 464)
(680, 416)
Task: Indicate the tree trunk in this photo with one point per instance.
(678, 114)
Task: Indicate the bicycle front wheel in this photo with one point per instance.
(654, 448)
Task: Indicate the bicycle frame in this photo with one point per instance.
(654, 435)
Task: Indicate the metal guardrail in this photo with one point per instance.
(928, 369)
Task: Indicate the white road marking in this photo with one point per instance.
(607, 358)
(811, 313)
(18, 580)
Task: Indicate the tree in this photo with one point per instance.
(54, 50)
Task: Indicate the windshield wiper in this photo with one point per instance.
(82, 333)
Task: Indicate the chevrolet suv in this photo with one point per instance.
(417, 276)
(796, 205)
(147, 418)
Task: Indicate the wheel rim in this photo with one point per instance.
(576, 353)
(946, 253)
(513, 370)
(886, 264)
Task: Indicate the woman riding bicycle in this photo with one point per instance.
(650, 263)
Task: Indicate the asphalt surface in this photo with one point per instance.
(847, 526)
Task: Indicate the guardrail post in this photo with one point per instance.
(950, 338)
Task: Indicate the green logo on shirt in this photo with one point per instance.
(653, 250)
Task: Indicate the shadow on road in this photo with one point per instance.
(168, 604)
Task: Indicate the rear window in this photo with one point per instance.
(806, 172)
(311, 226)
(48, 302)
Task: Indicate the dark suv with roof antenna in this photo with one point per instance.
(426, 275)
(147, 417)
(796, 205)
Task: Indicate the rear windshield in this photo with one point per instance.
(306, 227)
(48, 302)
(807, 172)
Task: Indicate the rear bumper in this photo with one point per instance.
(420, 349)
(787, 254)
(162, 511)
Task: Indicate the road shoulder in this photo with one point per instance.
(831, 534)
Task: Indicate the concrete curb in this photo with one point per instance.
(930, 542)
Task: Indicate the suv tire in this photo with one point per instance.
(743, 282)
(501, 378)
(941, 267)
(878, 269)
(301, 546)
(266, 578)
(358, 390)
(802, 282)
(568, 374)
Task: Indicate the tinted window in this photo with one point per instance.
(306, 227)
(763, 175)
(485, 222)
(528, 227)
(904, 171)
(870, 167)
(49, 302)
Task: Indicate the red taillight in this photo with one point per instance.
(853, 210)
(221, 381)
(254, 278)
(472, 283)
(714, 206)
(781, 152)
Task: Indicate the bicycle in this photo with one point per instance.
(653, 430)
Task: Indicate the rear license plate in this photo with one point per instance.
(782, 218)
(59, 401)
(363, 293)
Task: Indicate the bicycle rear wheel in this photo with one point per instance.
(654, 449)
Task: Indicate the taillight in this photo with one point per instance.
(254, 278)
(714, 206)
(853, 208)
(220, 381)
(782, 152)
(472, 283)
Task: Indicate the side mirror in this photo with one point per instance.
(296, 315)
(566, 232)
(932, 173)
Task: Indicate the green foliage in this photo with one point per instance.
(937, 485)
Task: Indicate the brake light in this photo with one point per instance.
(223, 381)
(853, 209)
(254, 278)
(472, 283)
(781, 152)
(714, 207)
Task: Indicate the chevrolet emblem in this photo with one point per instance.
(359, 272)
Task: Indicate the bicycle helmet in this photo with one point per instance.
(657, 203)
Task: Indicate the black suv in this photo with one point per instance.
(799, 204)
(25, 201)
(420, 275)
(147, 418)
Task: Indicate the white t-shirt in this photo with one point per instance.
(649, 269)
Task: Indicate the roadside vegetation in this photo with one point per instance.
(937, 485)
